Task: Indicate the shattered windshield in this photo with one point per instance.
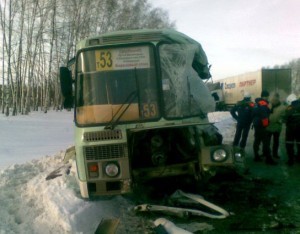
(106, 78)
(184, 93)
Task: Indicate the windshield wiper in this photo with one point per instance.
(129, 100)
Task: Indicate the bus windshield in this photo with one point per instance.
(184, 92)
(107, 77)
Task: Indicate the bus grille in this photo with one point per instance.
(101, 152)
(102, 135)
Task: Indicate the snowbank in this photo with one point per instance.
(32, 204)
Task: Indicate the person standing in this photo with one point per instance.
(261, 112)
(242, 113)
(292, 119)
(275, 124)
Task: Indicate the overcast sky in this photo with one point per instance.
(239, 35)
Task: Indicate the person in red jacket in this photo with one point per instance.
(261, 113)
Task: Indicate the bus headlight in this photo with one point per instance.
(219, 155)
(112, 169)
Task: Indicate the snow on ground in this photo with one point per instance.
(26, 137)
(30, 203)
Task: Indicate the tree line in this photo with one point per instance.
(294, 65)
(39, 36)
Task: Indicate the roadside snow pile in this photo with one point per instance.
(32, 204)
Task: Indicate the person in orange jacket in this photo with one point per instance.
(261, 113)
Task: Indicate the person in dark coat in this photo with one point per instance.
(292, 136)
(242, 113)
(261, 112)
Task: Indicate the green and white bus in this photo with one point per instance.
(141, 111)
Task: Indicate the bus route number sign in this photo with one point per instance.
(104, 60)
(122, 58)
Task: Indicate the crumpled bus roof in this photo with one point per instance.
(200, 62)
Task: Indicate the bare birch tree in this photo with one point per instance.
(2, 21)
(9, 90)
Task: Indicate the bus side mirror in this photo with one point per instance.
(66, 86)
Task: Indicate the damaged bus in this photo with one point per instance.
(140, 109)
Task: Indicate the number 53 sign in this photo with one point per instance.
(122, 58)
(149, 110)
(104, 60)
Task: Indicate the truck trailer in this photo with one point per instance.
(230, 90)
